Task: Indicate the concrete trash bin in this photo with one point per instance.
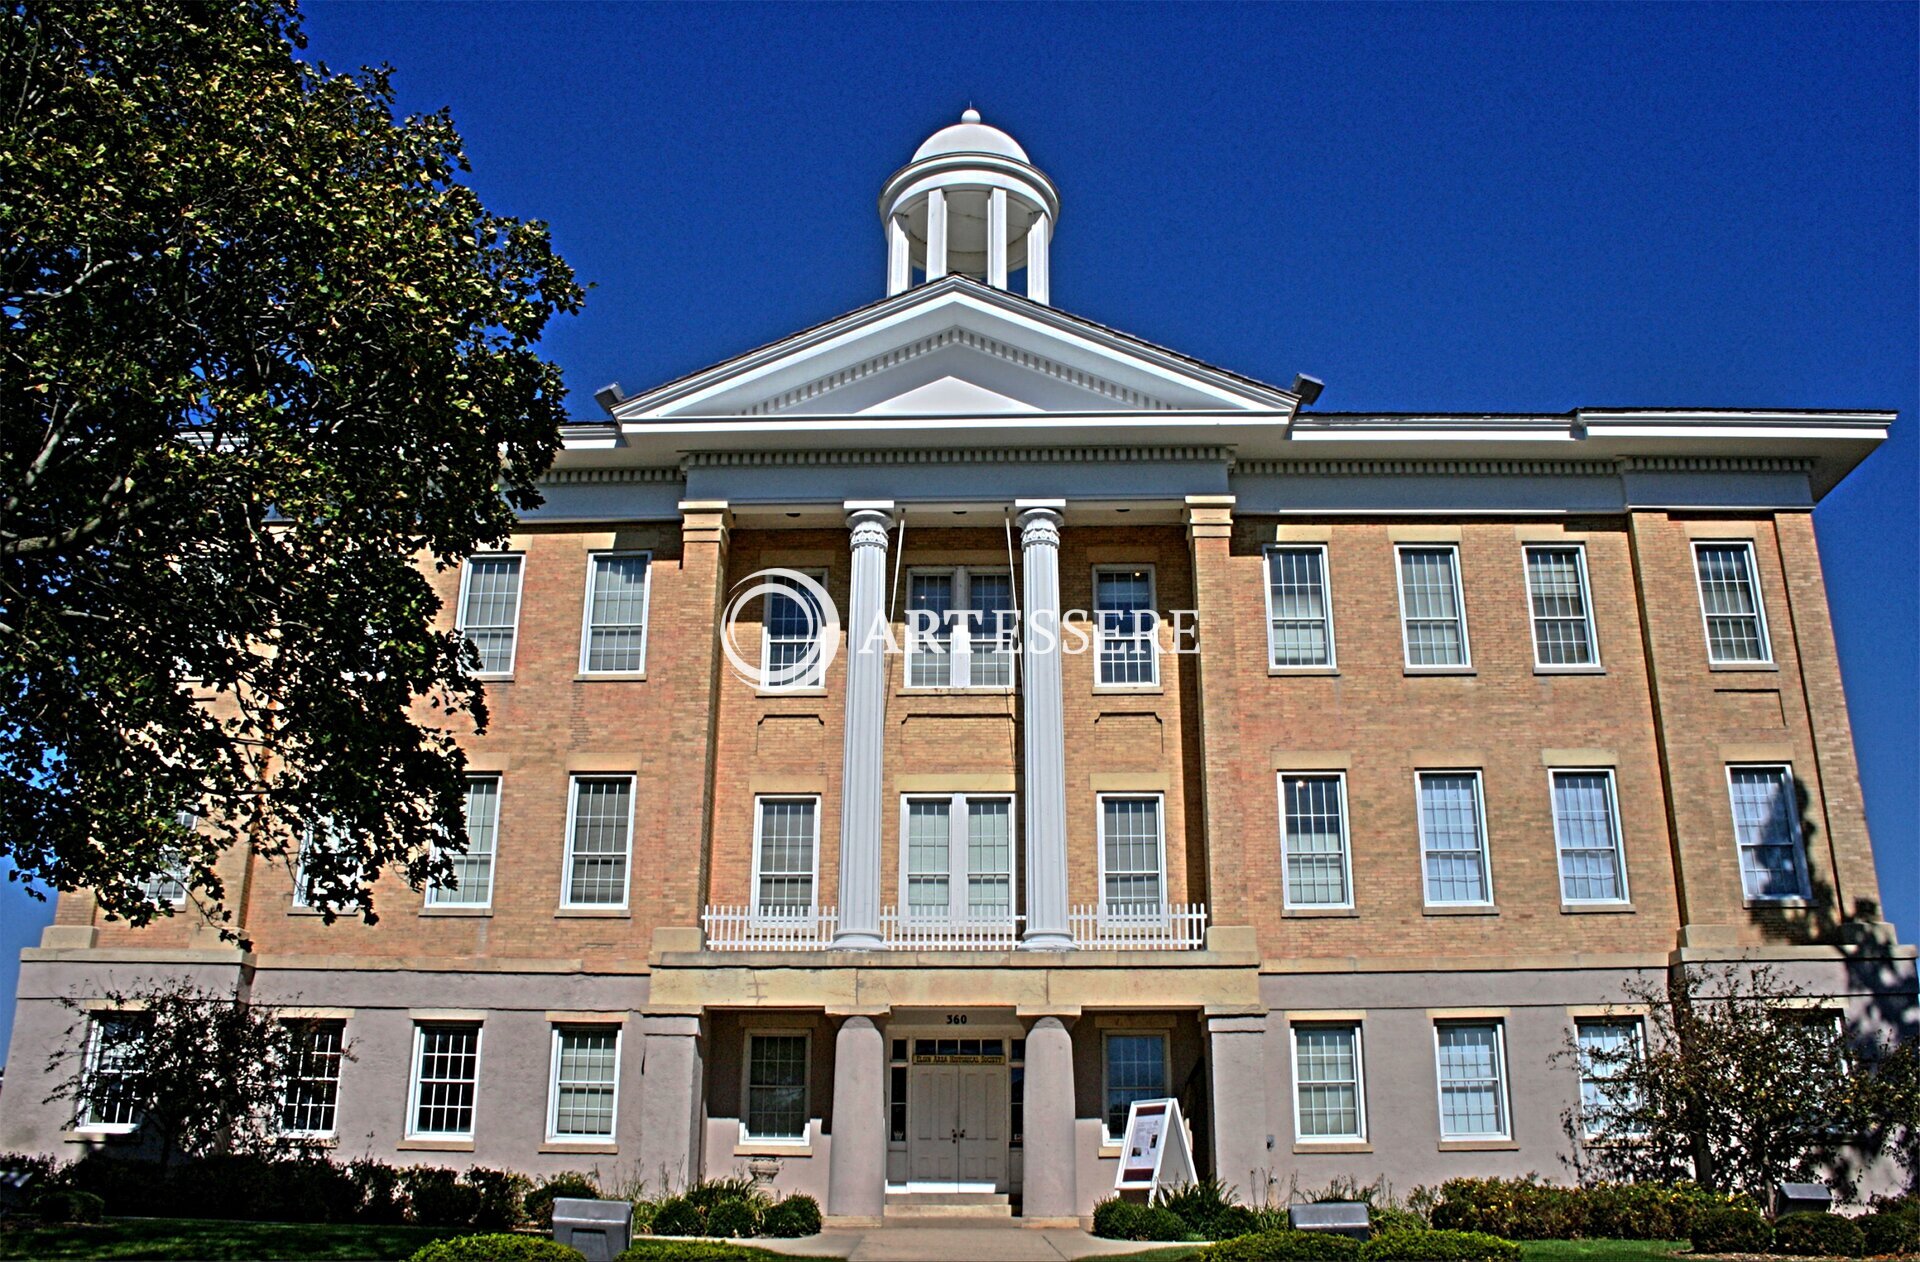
(1336, 1218)
(1798, 1198)
(599, 1230)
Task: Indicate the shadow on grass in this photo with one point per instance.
(216, 1241)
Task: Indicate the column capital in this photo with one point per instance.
(705, 521)
(1209, 516)
(1040, 522)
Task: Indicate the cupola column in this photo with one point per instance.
(997, 238)
(860, 800)
(1038, 282)
(936, 234)
(899, 257)
(1045, 735)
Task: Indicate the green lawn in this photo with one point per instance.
(1530, 1251)
(216, 1241)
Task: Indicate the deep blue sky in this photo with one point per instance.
(1447, 206)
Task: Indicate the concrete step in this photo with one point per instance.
(955, 1207)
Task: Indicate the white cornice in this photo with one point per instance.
(957, 455)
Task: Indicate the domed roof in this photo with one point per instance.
(970, 135)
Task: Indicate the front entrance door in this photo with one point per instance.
(958, 1118)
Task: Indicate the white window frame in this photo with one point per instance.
(1100, 636)
(1106, 1067)
(1504, 1085)
(1480, 818)
(1613, 818)
(338, 1076)
(413, 1080)
(1359, 1080)
(1465, 664)
(805, 1138)
(1579, 551)
(435, 895)
(1638, 1025)
(95, 1023)
(586, 610)
(567, 902)
(1799, 839)
(314, 836)
(1105, 915)
(174, 870)
(958, 848)
(519, 560)
(813, 895)
(1326, 601)
(1346, 844)
(959, 647)
(1759, 603)
(554, 1135)
(812, 682)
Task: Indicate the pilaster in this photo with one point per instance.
(1210, 540)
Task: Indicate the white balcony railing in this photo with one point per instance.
(1165, 927)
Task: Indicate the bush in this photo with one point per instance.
(497, 1247)
(704, 1195)
(1818, 1236)
(1516, 1209)
(1162, 1224)
(501, 1197)
(678, 1216)
(1284, 1246)
(1630, 1211)
(378, 1185)
(643, 1212)
(1389, 1218)
(68, 1205)
(686, 1251)
(731, 1219)
(437, 1198)
(1691, 1200)
(1438, 1246)
(537, 1205)
(1889, 1232)
(1118, 1219)
(1730, 1229)
(797, 1215)
(1207, 1208)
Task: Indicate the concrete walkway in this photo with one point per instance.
(984, 1242)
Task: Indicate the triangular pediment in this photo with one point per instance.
(955, 348)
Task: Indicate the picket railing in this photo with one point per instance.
(1163, 927)
(749, 929)
(1158, 927)
(917, 933)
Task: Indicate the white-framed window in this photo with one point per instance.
(1329, 1097)
(1606, 1048)
(957, 857)
(776, 1086)
(1433, 611)
(1453, 838)
(1133, 1066)
(960, 630)
(490, 608)
(113, 1049)
(790, 623)
(1766, 826)
(310, 1100)
(1560, 606)
(786, 850)
(599, 841)
(1126, 625)
(315, 839)
(168, 883)
(473, 871)
(1313, 839)
(1299, 606)
(584, 1084)
(613, 634)
(1133, 857)
(1586, 830)
(1736, 618)
(446, 1080)
(1473, 1087)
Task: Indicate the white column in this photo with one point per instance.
(997, 238)
(857, 1181)
(899, 257)
(1038, 282)
(936, 234)
(1045, 735)
(1051, 1193)
(860, 805)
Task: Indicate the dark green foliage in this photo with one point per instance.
(731, 1219)
(797, 1215)
(707, 1193)
(1730, 1230)
(1391, 1218)
(538, 1204)
(1162, 1224)
(1516, 1209)
(498, 1247)
(502, 1196)
(1438, 1246)
(1889, 1233)
(1118, 1219)
(678, 1216)
(1809, 1235)
(692, 1251)
(643, 1212)
(1284, 1246)
(1631, 1211)
(437, 1198)
(68, 1205)
(1207, 1208)
(379, 1187)
(1272, 1218)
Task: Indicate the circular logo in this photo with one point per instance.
(800, 630)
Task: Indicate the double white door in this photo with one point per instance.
(957, 1119)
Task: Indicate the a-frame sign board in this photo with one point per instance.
(1157, 1152)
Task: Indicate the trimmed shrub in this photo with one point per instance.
(1690, 1200)
(1818, 1236)
(537, 1205)
(437, 1198)
(1118, 1219)
(496, 1247)
(1631, 1211)
(643, 1212)
(1284, 1246)
(500, 1197)
(797, 1215)
(1207, 1207)
(1438, 1246)
(1730, 1229)
(707, 1193)
(678, 1216)
(68, 1205)
(1515, 1209)
(1162, 1224)
(1890, 1232)
(1390, 1218)
(732, 1219)
(686, 1251)
(378, 1185)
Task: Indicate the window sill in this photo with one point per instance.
(454, 909)
(1569, 670)
(435, 1145)
(1597, 909)
(1736, 668)
(989, 690)
(1789, 903)
(1332, 1145)
(1468, 909)
(593, 913)
(1111, 1147)
(307, 1141)
(772, 1148)
(579, 1146)
(492, 679)
(790, 692)
(1319, 913)
(1302, 672)
(611, 677)
(98, 1134)
(1438, 670)
(303, 911)
(1490, 1144)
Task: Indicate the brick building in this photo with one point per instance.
(1335, 773)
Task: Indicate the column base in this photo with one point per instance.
(857, 942)
(1047, 942)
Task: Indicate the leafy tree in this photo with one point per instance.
(201, 1072)
(263, 358)
(1738, 1082)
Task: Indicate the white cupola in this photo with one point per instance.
(969, 202)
